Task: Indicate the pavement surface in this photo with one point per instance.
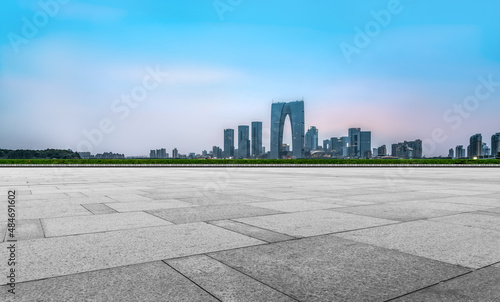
(251, 234)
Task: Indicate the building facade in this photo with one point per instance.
(256, 139)
(475, 148)
(243, 142)
(279, 112)
(228, 143)
(311, 139)
(495, 145)
(353, 148)
(365, 148)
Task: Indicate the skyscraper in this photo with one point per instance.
(216, 152)
(337, 147)
(152, 154)
(485, 150)
(382, 151)
(495, 145)
(175, 153)
(450, 153)
(459, 152)
(365, 144)
(279, 112)
(475, 146)
(353, 149)
(256, 139)
(228, 143)
(243, 142)
(311, 139)
(327, 145)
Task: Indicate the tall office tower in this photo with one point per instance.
(311, 139)
(495, 145)
(256, 139)
(216, 152)
(416, 145)
(152, 154)
(327, 147)
(163, 153)
(475, 146)
(228, 143)
(243, 142)
(279, 112)
(365, 144)
(394, 150)
(345, 146)
(450, 153)
(175, 153)
(354, 143)
(337, 147)
(375, 152)
(486, 150)
(459, 152)
(382, 150)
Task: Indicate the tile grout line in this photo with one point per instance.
(251, 277)
(198, 285)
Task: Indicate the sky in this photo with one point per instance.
(130, 76)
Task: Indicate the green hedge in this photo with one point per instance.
(249, 161)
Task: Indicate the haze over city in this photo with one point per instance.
(210, 67)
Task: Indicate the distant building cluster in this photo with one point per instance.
(477, 148)
(357, 144)
(158, 153)
(105, 155)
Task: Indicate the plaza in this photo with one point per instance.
(253, 234)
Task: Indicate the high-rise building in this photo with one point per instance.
(159, 153)
(365, 144)
(476, 146)
(228, 143)
(311, 139)
(243, 142)
(216, 152)
(415, 145)
(486, 150)
(382, 151)
(256, 139)
(175, 153)
(353, 150)
(345, 146)
(279, 112)
(394, 150)
(450, 153)
(327, 145)
(152, 154)
(459, 152)
(495, 145)
(337, 147)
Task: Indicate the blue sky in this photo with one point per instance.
(226, 61)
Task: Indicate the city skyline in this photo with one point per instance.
(428, 66)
